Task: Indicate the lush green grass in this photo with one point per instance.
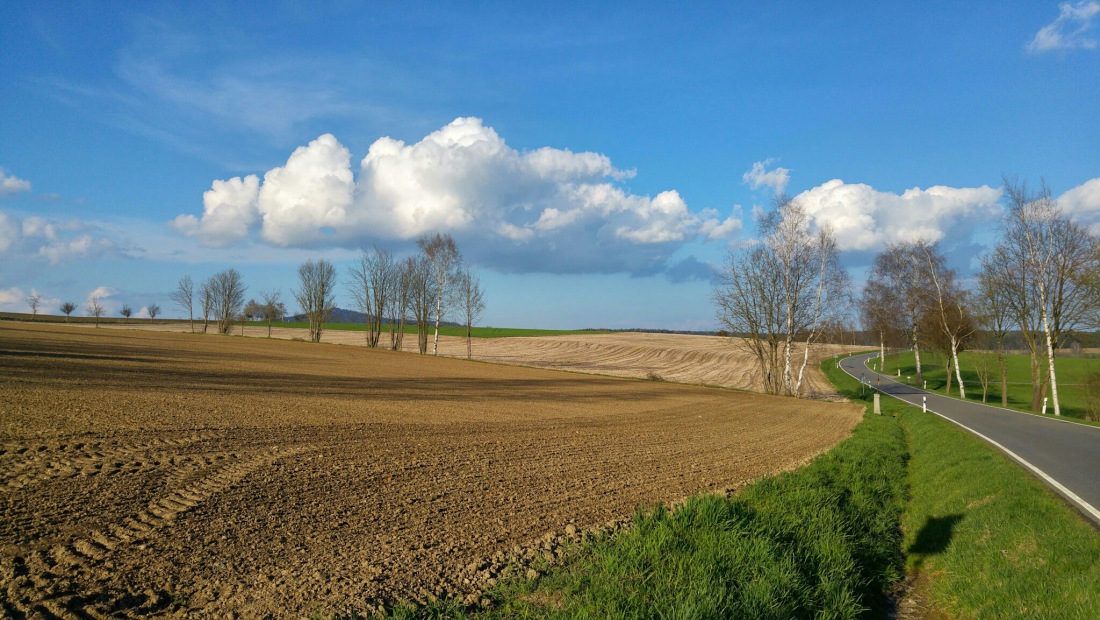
(821, 542)
(992, 541)
(1070, 371)
(448, 330)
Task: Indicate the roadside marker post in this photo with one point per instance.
(924, 404)
(878, 408)
(1044, 406)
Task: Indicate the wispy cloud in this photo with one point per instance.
(198, 91)
(759, 176)
(1071, 30)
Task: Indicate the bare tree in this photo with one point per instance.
(399, 301)
(1048, 262)
(471, 301)
(95, 309)
(34, 300)
(444, 258)
(206, 301)
(226, 297)
(995, 314)
(317, 282)
(788, 287)
(833, 298)
(184, 297)
(880, 313)
(372, 283)
(153, 310)
(126, 311)
(273, 308)
(67, 309)
(952, 315)
(901, 271)
(416, 272)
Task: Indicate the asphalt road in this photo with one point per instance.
(1064, 455)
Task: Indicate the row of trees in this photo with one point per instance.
(1040, 281)
(429, 285)
(423, 288)
(94, 307)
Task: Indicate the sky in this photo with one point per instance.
(595, 163)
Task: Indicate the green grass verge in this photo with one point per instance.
(1070, 371)
(446, 330)
(989, 538)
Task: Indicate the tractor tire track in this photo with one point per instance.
(36, 588)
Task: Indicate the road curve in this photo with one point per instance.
(1064, 455)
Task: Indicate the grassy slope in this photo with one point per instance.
(446, 330)
(1070, 371)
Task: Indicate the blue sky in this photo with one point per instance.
(595, 162)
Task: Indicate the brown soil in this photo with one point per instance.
(146, 473)
(681, 358)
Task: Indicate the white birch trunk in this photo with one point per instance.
(958, 373)
(802, 370)
(1050, 362)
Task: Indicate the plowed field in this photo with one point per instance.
(701, 360)
(146, 473)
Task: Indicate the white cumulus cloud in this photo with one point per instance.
(542, 210)
(229, 210)
(865, 218)
(11, 184)
(1070, 30)
(1083, 204)
(759, 176)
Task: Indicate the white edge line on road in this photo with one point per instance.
(1087, 507)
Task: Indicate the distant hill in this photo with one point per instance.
(341, 315)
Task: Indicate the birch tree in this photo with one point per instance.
(444, 258)
(315, 294)
(786, 288)
(949, 308)
(1049, 261)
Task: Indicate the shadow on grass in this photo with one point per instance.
(933, 538)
